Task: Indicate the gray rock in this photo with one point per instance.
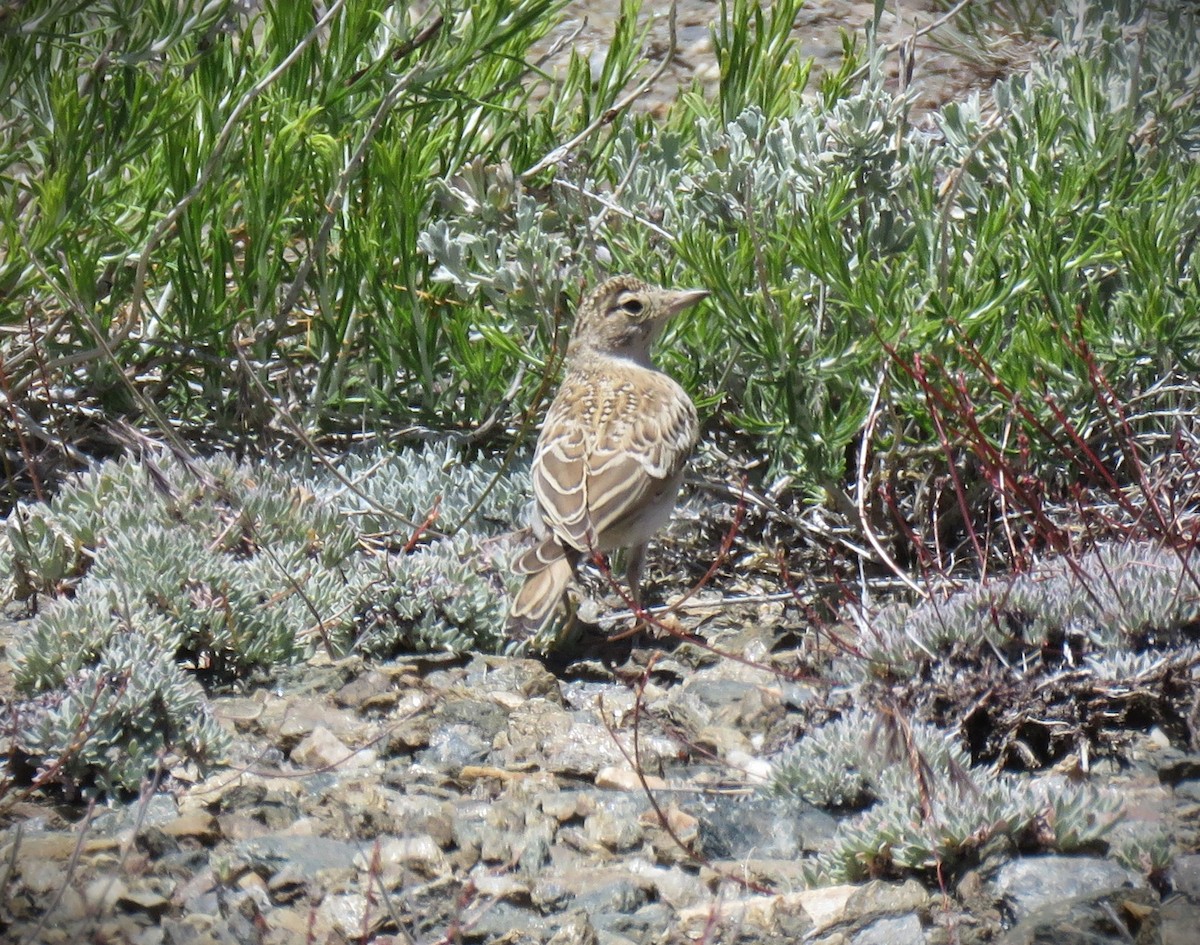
(1031, 883)
(614, 822)
(597, 890)
(470, 824)
(1113, 917)
(364, 689)
(637, 926)
(240, 711)
(481, 714)
(420, 814)
(1180, 917)
(499, 920)
(880, 898)
(520, 677)
(158, 810)
(452, 747)
(722, 696)
(576, 929)
(616, 894)
(760, 827)
(293, 718)
(397, 859)
(1184, 876)
(320, 748)
(303, 856)
(901, 930)
(586, 747)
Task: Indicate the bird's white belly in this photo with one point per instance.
(639, 529)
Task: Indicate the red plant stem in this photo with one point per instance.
(423, 527)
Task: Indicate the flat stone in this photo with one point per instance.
(672, 885)
(827, 905)
(345, 913)
(500, 885)
(42, 876)
(453, 747)
(764, 914)
(877, 897)
(614, 823)
(364, 688)
(198, 825)
(305, 856)
(1184, 876)
(521, 677)
(1033, 882)
(289, 720)
(733, 703)
(900, 930)
(400, 857)
(785, 873)
(595, 889)
(624, 778)
(103, 893)
(561, 805)
(761, 827)
(322, 749)
(507, 924)
(56, 845)
(1112, 917)
(584, 750)
(158, 810)
(145, 900)
(680, 827)
(239, 711)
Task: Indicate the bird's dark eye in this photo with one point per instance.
(632, 306)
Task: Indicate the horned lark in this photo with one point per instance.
(610, 457)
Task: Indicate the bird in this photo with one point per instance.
(610, 457)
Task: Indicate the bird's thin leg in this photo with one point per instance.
(633, 572)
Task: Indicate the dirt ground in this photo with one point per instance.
(947, 63)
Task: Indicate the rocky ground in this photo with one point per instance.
(497, 800)
(488, 799)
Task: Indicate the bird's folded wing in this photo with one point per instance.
(589, 477)
(560, 485)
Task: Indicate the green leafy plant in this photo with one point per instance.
(193, 195)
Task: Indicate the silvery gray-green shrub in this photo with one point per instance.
(1112, 602)
(156, 577)
(885, 827)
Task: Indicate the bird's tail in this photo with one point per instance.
(548, 569)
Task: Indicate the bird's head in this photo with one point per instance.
(624, 316)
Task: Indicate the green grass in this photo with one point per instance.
(362, 219)
(271, 180)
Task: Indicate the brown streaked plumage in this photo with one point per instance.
(610, 458)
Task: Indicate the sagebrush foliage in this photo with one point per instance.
(270, 174)
(893, 825)
(843, 241)
(110, 724)
(1116, 615)
(1113, 602)
(227, 570)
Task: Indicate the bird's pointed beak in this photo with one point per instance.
(676, 302)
